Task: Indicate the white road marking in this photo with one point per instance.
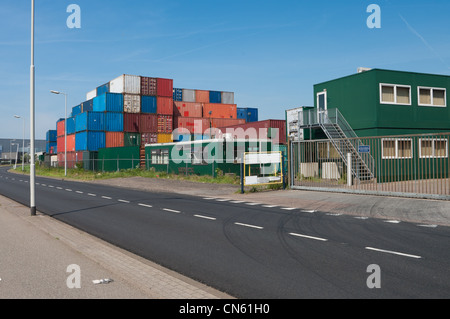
(247, 225)
(237, 201)
(89, 194)
(430, 226)
(145, 205)
(311, 211)
(51, 186)
(123, 201)
(171, 210)
(288, 208)
(309, 237)
(393, 252)
(270, 206)
(332, 214)
(208, 198)
(252, 204)
(43, 184)
(392, 221)
(106, 197)
(79, 192)
(58, 187)
(222, 200)
(361, 217)
(69, 190)
(205, 217)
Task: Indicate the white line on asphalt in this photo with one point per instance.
(393, 252)
(205, 217)
(58, 187)
(288, 208)
(392, 221)
(237, 201)
(247, 225)
(51, 186)
(123, 201)
(43, 184)
(222, 200)
(208, 198)
(270, 206)
(79, 192)
(106, 197)
(311, 211)
(430, 226)
(20, 180)
(252, 204)
(309, 237)
(69, 190)
(145, 205)
(361, 217)
(171, 210)
(89, 194)
(332, 214)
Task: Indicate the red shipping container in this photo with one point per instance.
(220, 111)
(194, 125)
(149, 138)
(164, 87)
(148, 86)
(260, 128)
(60, 144)
(202, 96)
(188, 109)
(165, 123)
(148, 123)
(114, 139)
(71, 143)
(164, 105)
(131, 122)
(60, 128)
(72, 159)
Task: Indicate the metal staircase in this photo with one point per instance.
(344, 140)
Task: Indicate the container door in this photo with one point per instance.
(321, 106)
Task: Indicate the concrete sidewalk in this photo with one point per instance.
(36, 252)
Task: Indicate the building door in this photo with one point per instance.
(321, 106)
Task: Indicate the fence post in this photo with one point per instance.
(242, 175)
(349, 169)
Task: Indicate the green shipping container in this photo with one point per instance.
(132, 139)
(118, 158)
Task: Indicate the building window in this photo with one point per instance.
(160, 156)
(433, 148)
(395, 94)
(399, 148)
(432, 97)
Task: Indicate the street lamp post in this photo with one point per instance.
(32, 115)
(65, 131)
(23, 140)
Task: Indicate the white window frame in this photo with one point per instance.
(432, 96)
(433, 147)
(396, 156)
(395, 86)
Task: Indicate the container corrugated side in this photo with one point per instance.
(60, 144)
(132, 139)
(51, 136)
(76, 110)
(148, 86)
(90, 141)
(131, 103)
(188, 109)
(108, 102)
(102, 89)
(164, 105)
(164, 138)
(164, 87)
(118, 158)
(148, 123)
(225, 111)
(177, 94)
(261, 128)
(148, 104)
(215, 97)
(131, 122)
(165, 123)
(87, 106)
(218, 123)
(113, 122)
(71, 143)
(193, 125)
(49, 147)
(189, 95)
(71, 125)
(90, 121)
(126, 84)
(202, 96)
(60, 127)
(149, 138)
(114, 139)
(228, 98)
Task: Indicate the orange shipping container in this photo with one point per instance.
(71, 143)
(220, 111)
(220, 123)
(60, 127)
(195, 125)
(60, 144)
(164, 138)
(164, 105)
(202, 96)
(114, 139)
(188, 109)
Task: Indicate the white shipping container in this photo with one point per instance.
(227, 98)
(189, 95)
(130, 84)
(91, 94)
(131, 103)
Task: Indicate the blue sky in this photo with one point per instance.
(270, 53)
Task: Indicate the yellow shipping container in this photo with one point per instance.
(164, 138)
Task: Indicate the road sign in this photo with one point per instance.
(363, 149)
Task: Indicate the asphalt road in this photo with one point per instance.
(251, 250)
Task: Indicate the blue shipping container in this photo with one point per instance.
(248, 114)
(148, 104)
(215, 97)
(87, 106)
(89, 141)
(108, 102)
(102, 89)
(50, 145)
(90, 121)
(178, 94)
(76, 110)
(51, 136)
(113, 122)
(70, 125)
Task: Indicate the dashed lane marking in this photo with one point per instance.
(205, 217)
(308, 237)
(248, 225)
(393, 252)
(171, 210)
(145, 205)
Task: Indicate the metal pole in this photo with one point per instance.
(65, 138)
(349, 169)
(23, 144)
(32, 107)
